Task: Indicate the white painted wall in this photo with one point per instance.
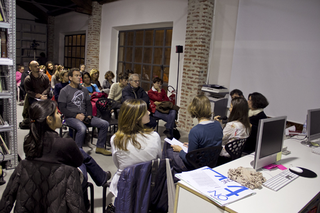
(277, 52)
(66, 24)
(142, 14)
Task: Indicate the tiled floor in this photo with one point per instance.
(104, 161)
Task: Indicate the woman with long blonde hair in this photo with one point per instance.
(133, 142)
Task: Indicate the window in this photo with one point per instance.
(147, 53)
(74, 50)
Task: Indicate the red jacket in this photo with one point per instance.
(156, 96)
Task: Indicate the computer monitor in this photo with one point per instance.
(313, 125)
(270, 136)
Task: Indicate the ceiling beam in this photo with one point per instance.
(42, 16)
(84, 6)
(106, 1)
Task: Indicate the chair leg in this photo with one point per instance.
(90, 185)
(104, 197)
(158, 125)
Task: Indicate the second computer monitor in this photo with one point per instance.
(269, 141)
(313, 125)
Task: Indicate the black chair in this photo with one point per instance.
(90, 185)
(105, 105)
(204, 157)
(235, 148)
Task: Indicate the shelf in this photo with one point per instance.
(5, 94)
(6, 157)
(4, 25)
(5, 128)
(6, 61)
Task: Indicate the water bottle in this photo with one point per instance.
(304, 130)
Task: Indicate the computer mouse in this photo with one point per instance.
(296, 169)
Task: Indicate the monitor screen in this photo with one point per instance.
(269, 140)
(313, 124)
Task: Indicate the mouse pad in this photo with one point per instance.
(305, 173)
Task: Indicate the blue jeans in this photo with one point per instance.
(169, 118)
(90, 165)
(81, 130)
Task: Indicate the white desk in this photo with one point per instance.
(292, 198)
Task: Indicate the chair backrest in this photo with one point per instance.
(204, 157)
(235, 148)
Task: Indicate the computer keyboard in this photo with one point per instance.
(280, 180)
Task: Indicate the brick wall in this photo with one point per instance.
(93, 37)
(196, 55)
(50, 36)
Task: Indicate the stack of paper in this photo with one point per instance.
(214, 185)
(176, 142)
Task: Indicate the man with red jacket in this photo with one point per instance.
(156, 96)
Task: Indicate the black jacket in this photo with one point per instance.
(130, 93)
(250, 145)
(37, 186)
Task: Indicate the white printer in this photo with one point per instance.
(218, 96)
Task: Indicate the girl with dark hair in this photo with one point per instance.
(44, 144)
(133, 142)
(256, 102)
(238, 125)
(87, 83)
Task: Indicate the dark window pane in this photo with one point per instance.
(120, 68)
(168, 38)
(83, 40)
(66, 40)
(156, 72)
(146, 73)
(167, 52)
(145, 86)
(139, 37)
(69, 51)
(165, 75)
(128, 66)
(148, 41)
(74, 40)
(66, 62)
(74, 51)
(82, 52)
(66, 51)
(78, 40)
(129, 54)
(77, 62)
(78, 55)
(159, 38)
(121, 54)
(137, 69)
(147, 55)
(81, 61)
(122, 38)
(73, 62)
(69, 62)
(70, 41)
(138, 55)
(130, 38)
(157, 59)
(165, 88)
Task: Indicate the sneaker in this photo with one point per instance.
(103, 151)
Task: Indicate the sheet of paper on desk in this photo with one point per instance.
(176, 142)
(214, 185)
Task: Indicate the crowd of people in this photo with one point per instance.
(138, 110)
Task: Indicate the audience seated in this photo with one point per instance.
(134, 91)
(238, 125)
(88, 85)
(206, 133)
(49, 70)
(43, 144)
(157, 95)
(257, 102)
(82, 68)
(116, 88)
(20, 91)
(133, 142)
(74, 103)
(64, 81)
(55, 78)
(107, 83)
(94, 75)
(236, 93)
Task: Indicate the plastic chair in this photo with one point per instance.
(235, 148)
(204, 157)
